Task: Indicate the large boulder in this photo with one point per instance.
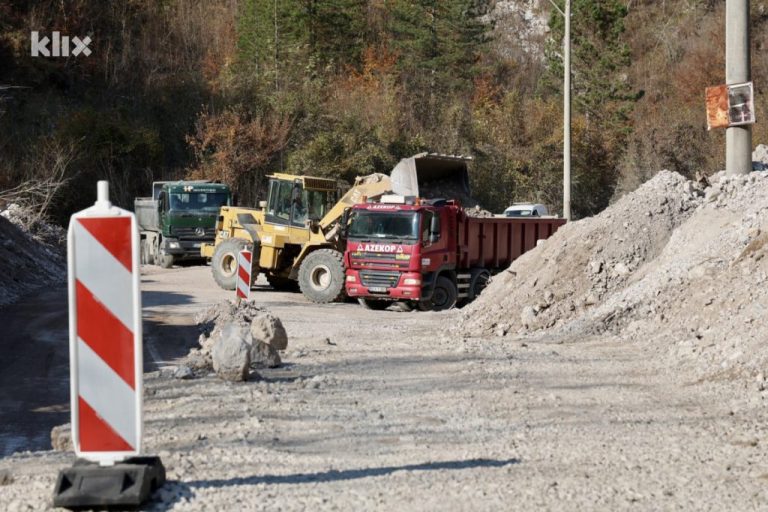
(268, 329)
(231, 355)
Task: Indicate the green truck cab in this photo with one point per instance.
(178, 218)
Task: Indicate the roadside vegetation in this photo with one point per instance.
(234, 90)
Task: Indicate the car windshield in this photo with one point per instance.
(373, 225)
(520, 213)
(205, 201)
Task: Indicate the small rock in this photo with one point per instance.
(528, 316)
(231, 354)
(621, 269)
(183, 372)
(549, 297)
(61, 438)
(595, 267)
(5, 477)
(590, 299)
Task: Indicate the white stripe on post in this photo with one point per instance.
(106, 393)
(244, 269)
(92, 263)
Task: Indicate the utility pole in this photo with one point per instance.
(567, 113)
(566, 107)
(738, 139)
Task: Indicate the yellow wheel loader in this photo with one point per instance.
(295, 235)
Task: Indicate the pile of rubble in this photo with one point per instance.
(676, 264)
(234, 339)
(32, 253)
(446, 189)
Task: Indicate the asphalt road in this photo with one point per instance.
(34, 367)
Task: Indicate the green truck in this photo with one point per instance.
(178, 218)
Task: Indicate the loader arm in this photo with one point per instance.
(371, 186)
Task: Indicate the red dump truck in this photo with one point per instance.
(430, 254)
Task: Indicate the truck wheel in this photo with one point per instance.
(374, 304)
(224, 262)
(164, 259)
(283, 284)
(478, 283)
(321, 276)
(443, 297)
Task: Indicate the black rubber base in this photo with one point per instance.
(127, 484)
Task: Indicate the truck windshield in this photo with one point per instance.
(372, 225)
(205, 201)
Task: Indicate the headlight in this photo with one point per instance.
(173, 245)
(351, 279)
(411, 281)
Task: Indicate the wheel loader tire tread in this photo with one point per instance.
(334, 260)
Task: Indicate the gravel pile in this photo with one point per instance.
(32, 253)
(672, 265)
(584, 262)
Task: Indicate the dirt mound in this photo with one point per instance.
(584, 261)
(672, 265)
(31, 254)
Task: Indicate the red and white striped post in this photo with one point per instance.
(106, 366)
(105, 338)
(244, 269)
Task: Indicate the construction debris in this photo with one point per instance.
(29, 247)
(262, 333)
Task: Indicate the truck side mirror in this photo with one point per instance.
(160, 200)
(434, 229)
(262, 204)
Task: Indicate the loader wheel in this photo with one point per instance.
(283, 284)
(321, 276)
(374, 304)
(224, 262)
(443, 297)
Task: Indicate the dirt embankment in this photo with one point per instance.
(677, 265)
(32, 254)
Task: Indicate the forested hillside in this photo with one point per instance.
(236, 89)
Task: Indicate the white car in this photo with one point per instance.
(526, 210)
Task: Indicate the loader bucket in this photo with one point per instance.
(431, 175)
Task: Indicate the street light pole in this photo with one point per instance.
(738, 139)
(567, 113)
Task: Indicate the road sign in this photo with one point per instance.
(244, 268)
(105, 339)
(730, 105)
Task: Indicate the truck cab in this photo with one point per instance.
(178, 218)
(395, 252)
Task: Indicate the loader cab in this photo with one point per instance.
(297, 201)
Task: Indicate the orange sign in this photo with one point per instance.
(730, 105)
(717, 107)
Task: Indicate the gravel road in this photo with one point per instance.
(379, 411)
